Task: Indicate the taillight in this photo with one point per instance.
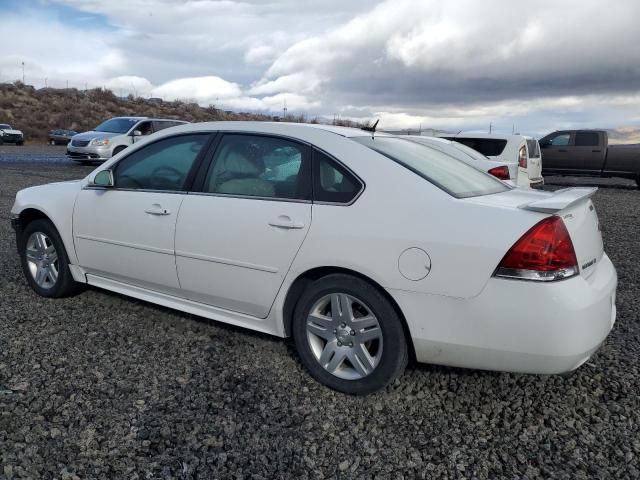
(544, 253)
(522, 157)
(501, 172)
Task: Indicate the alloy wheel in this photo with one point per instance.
(345, 336)
(42, 260)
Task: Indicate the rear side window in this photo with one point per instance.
(586, 139)
(532, 146)
(489, 147)
(454, 177)
(332, 182)
(259, 166)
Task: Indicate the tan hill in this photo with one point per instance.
(36, 111)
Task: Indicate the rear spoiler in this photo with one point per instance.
(560, 199)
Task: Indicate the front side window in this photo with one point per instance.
(259, 166)
(562, 139)
(586, 139)
(162, 165)
(454, 177)
(332, 182)
(145, 128)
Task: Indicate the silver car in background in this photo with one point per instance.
(112, 136)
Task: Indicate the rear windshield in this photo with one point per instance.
(453, 176)
(534, 150)
(489, 147)
(5, 126)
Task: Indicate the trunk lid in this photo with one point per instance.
(573, 205)
(576, 209)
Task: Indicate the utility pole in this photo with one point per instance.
(45, 82)
(22, 72)
(284, 109)
(490, 126)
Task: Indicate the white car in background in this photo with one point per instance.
(503, 171)
(508, 148)
(367, 249)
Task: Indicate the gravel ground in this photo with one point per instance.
(103, 386)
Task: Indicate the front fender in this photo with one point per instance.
(56, 201)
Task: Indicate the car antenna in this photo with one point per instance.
(372, 128)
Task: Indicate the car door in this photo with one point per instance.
(555, 151)
(587, 153)
(238, 235)
(126, 232)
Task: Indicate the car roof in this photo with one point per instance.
(497, 136)
(283, 128)
(150, 118)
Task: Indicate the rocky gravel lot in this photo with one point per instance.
(103, 386)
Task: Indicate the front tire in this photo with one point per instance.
(44, 260)
(117, 150)
(348, 335)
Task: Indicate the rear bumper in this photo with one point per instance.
(536, 182)
(515, 325)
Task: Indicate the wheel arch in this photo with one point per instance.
(304, 279)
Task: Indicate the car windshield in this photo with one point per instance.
(5, 126)
(116, 125)
(453, 176)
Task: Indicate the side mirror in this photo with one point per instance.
(545, 145)
(136, 133)
(103, 178)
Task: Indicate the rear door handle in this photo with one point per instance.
(595, 151)
(562, 150)
(156, 209)
(284, 221)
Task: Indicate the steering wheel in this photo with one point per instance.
(161, 176)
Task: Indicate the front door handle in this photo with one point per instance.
(284, 221)
(156, 209)
(595, 151)
(562, 150)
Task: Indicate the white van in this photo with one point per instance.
(112, 136)
(508, 148)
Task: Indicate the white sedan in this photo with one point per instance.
(368, 249)
(502, 170)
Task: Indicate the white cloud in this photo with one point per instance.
(202, 89)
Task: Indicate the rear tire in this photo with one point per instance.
(44, 260)
(52, 142)
(348, 335)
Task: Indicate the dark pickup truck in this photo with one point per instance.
(588, 153)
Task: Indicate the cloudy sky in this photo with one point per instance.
(538, 65)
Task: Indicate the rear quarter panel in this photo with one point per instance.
(399, 210)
